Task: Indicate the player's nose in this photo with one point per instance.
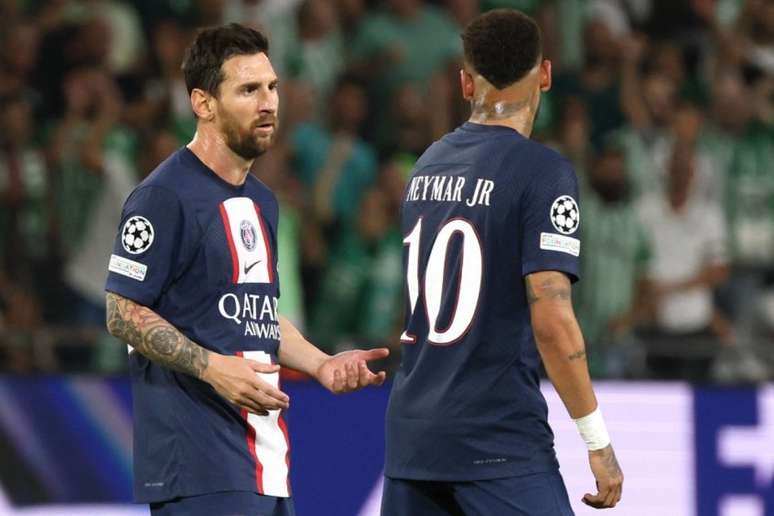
(268, 102)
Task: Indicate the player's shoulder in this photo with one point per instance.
(163, 183)
(168, 173)
(530, 166)
(542, 159)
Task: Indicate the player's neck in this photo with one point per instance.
(518, 114)
(211, 148)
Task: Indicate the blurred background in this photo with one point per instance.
(665, 107)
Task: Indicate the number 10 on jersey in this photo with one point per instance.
(468, 286)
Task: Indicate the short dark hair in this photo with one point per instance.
(203, 60)
(502, 45)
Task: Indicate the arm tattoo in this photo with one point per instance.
(577, 355)
(553, 286)
(611, 464)
(531, 296)
(159, 341)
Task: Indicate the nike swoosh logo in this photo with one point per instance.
(248, 267)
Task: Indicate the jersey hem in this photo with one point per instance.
(505, 472)
(191, 494)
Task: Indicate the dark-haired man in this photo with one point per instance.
(490, 220)
(193, 289)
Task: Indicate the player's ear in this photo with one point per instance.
(201, 103)
(467, 84)
(545, 75)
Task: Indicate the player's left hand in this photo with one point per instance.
(609, 477)
(348, 371)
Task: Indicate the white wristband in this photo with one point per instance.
(593, 430)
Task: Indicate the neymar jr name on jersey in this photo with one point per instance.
(449, 189)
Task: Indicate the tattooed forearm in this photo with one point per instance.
(154, 337)
(552, 286)
(611, 464)
(609, 460)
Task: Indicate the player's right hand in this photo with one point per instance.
(609, 479)
(236, 380)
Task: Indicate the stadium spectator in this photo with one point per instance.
(650, 103)
(690, 259)
(359, 295)
(276, 18)
(26, 215)
(410, 121)
(613, 265)
(85, 142)
(572, 135)
(598, 82)
(406, 43)
(20, 322)
(335, 166)
(651, 73)
(351, 14)
(331, 160)
(164, 100)
(744, 145)
(127, 42)
(318, 55)
(18, 58)
(463, 11)
(756, 36)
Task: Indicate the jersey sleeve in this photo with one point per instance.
(550, 222)
(147, 246)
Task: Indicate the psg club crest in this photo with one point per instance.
(249, 235)
(137, 235)
(565, 215)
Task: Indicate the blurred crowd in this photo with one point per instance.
(665, 107)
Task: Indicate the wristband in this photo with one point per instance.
(593, 430)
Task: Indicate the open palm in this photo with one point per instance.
(348, 371)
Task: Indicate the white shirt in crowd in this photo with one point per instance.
(683, 244)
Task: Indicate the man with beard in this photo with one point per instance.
(607, 301)
(193, 289)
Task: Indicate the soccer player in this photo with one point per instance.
(490, 220)
(193, 289)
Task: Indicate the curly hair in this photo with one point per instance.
(502, 45)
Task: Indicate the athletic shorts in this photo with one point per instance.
(229, 503)
(540, 494)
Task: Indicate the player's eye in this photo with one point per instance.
(274, 85)
(249, 89)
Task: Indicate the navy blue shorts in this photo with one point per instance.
(541, 494)
(229, 503)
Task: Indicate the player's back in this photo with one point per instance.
(476, 219)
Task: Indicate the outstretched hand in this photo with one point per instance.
(348, 371)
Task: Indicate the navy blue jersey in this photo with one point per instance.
(484, 208)
(201, 253)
